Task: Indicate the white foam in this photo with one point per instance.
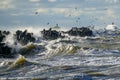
(111, 27)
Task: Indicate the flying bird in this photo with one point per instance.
(70, 15)
(78, 18)
(75, 8)
(48, 23)
(36, 12)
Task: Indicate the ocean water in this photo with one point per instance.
(70, 58)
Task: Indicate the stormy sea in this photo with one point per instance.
(74, 54)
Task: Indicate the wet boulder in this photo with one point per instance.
(51, 34)
(5, 51)
(3, 34)
(6, 32)
(1, 38)
(83, 31)
(23, 37)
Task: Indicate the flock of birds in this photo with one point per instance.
(70, 15)
(92, 20)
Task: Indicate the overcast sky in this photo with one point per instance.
(66, 13)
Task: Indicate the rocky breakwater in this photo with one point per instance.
(51, 34)
(82, 32)
(20, 37)
(23, 37)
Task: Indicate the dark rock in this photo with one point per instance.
(5, 51)
(6, 32)
(3, 34)
(2, 38)
(84, 31)
(51, 34)
(24, 37)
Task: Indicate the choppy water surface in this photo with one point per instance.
(86, 58)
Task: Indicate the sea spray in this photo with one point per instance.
(32, 49)
(62, 50)
(27, 49)
(9, 65)
(18, 62)
(87, 55)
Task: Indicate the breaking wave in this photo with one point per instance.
(72, 57)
